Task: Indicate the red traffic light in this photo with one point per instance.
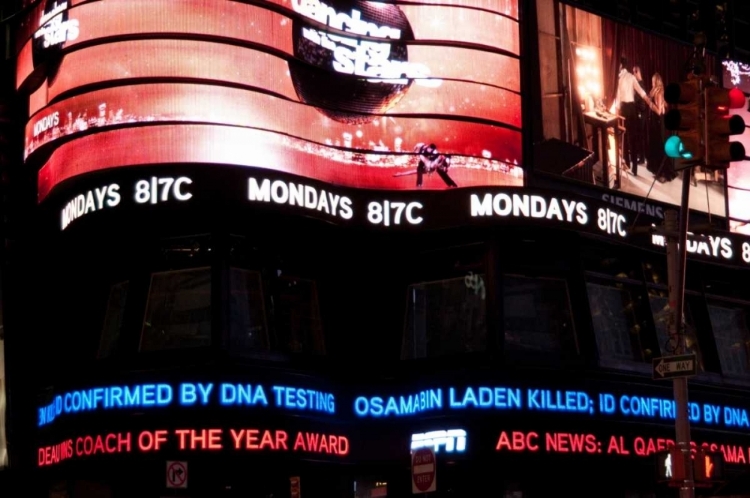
(736, 98)
(724, 99)
(720, 126)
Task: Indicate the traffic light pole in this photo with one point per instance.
(675, 228)
(701, 120)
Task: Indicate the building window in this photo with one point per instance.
(537, 314)
(296, 314)
(729, 324)
(659, 301)
(656, 275)
(113, 319)
(620, 311)
(248, 331)
(178, 311)
(446, 317)
(618, 318)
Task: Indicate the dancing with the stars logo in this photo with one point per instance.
(55, 28)
(352, 59)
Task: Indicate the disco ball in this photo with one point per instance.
(326, 57)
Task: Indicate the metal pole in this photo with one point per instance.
(676, 260)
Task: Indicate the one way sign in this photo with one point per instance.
(671, 367)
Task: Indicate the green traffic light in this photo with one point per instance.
(675, 149)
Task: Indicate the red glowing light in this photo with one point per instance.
(736, 98)
(56, 453)
(196, 440)
(252, 439)
(708, 466)
(563, 442)
(204, 439)
(151, 441)
(321, 443)
(642, 447)
(518, 441)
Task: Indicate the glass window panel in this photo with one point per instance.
(722, 282)
(603, 261)
(247, 322)
(297, 316)
(537, 314)
(729, 324)
(178, 312)
(617, 317)
(446, 317)
(113, 319)
(655, 272)
(659, 301)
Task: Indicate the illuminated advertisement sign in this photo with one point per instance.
(55, 29)
(216, 439)
(618, 445)
(354, 93)
(144, 396)
(134, 194)
(602, 95)
(737, 74)
(347, 207)
(300, 400)
(453, 440)
(514, 399)
(148, 397)
(279, 418)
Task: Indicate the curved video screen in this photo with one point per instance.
(357, 93)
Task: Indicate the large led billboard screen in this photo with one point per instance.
(602, 96)
(350, 92)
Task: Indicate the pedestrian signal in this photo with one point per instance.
(708, 466)
(670, 466)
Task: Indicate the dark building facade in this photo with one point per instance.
(274, 248)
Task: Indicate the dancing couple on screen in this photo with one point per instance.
(431, 161)
(644, 127)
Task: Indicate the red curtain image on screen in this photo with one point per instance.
(351, 92)
(606, 126)
(737, 74)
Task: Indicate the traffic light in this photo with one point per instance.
(670, 466)
(684, 118)
(720, 126)
(708, 467)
